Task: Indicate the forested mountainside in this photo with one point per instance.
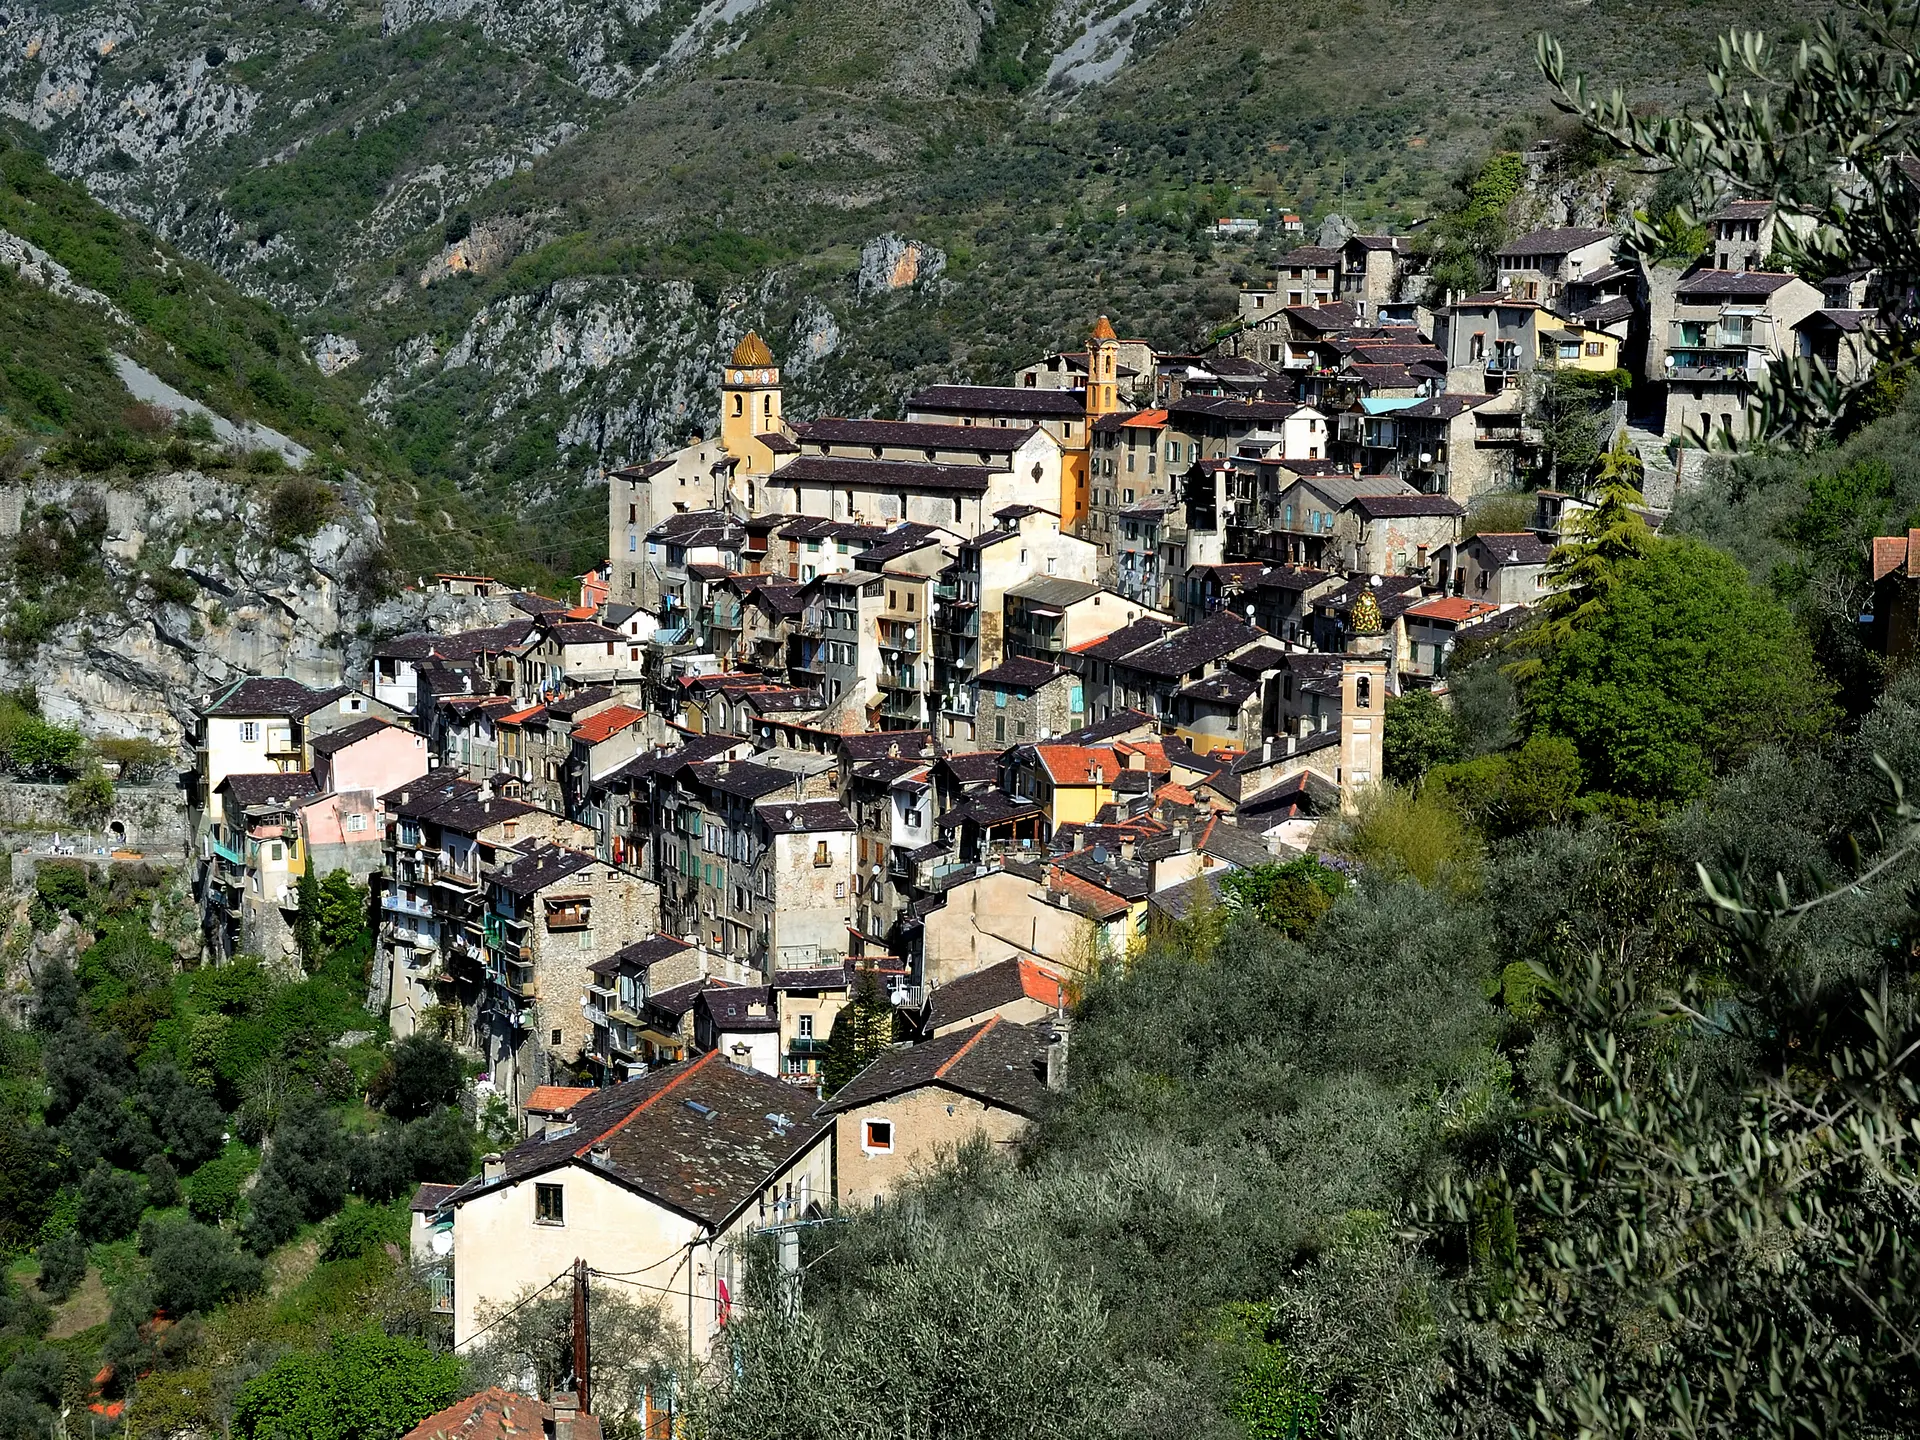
(523, 234)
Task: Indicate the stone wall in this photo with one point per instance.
(152, 819)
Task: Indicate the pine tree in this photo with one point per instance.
(1588, 565)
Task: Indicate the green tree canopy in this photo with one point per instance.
(1420, 733)
(1684, 669)
(366, 1385)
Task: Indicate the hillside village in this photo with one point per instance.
(935, 714)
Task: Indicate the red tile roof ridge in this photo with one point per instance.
(960, 1054)
(629, 1117)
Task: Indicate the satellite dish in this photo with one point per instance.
(1671, 362)
(441, 1243)
(1426, 457)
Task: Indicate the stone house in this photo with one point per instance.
(1029, 699)
(614, 1003)
(1725, 326)
(1541, 264)
(1502, 567)
(915, 1105)
(549, 913)
(742, 1024)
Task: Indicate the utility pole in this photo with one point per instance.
(582, 1350)
(788, 1242)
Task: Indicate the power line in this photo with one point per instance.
(729, 1301)
(523, 1303)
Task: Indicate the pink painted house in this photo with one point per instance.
(353, 768)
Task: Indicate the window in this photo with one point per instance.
(276, 852)
(556, 1038)
(1363, 692)
(249, 732)
(356, 823)
(549, 1205)
(877, 1137)
(820, 853)
(806, 1027)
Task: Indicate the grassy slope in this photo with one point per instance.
(191, 327)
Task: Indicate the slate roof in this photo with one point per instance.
(1736, 284)
(641, 954)
(988, 989)
(819, 977)
(742, 777)
(429, 1197)
(1031, 674)
(1121, 722)
(916, 434)
(529, 871)
(270, 788)
(804, 817)
(1218, 635)
(1607, 312)
(1554, 242)
(568, 706)
(463, 644)
(584, 632)
(703, 1138)
(879, 744)
(1511, 547)
(700, 527)
(995, 1062)
(1128, 638)
(887, 474)
(336, 740)
(272, 695)
(1053, 590)
(973, 766)
(1382, 507)
(728, 1009)
(999, 400)
(1223, 688)
(1180, 902)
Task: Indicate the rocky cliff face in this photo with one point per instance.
(137, 664)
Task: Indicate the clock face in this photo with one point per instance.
(766, 377)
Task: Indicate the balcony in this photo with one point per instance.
(397, 903)
(440, 1288)
(1703, 363)
(518, 981)
(1504, 431)
(898, 680)
(801, 1046)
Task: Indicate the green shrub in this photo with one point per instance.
(299, 506)
(89, 798)
(365, 1386)
(362, 1227)
(63, 1265)
(62, 884)
(213, 1190)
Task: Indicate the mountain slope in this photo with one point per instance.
(528, 231)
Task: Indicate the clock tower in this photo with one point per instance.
(749, 402)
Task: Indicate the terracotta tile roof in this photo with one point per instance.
(1455, 608)
(556, 1099)
(497, 1414)
(605, 724)
(1079, 764)
(532, 712)
(1091, 899)
(1889, 554)
(986, 990)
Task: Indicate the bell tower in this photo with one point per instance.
(1103, 370)
(749, 399)
(1363, 700)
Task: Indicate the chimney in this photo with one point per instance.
(1266, 751)
(1057, 1054)
(566, 1407)
(492, 1168)
(1291, 742)
(601, 1154)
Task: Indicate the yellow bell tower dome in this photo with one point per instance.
(749, 399)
